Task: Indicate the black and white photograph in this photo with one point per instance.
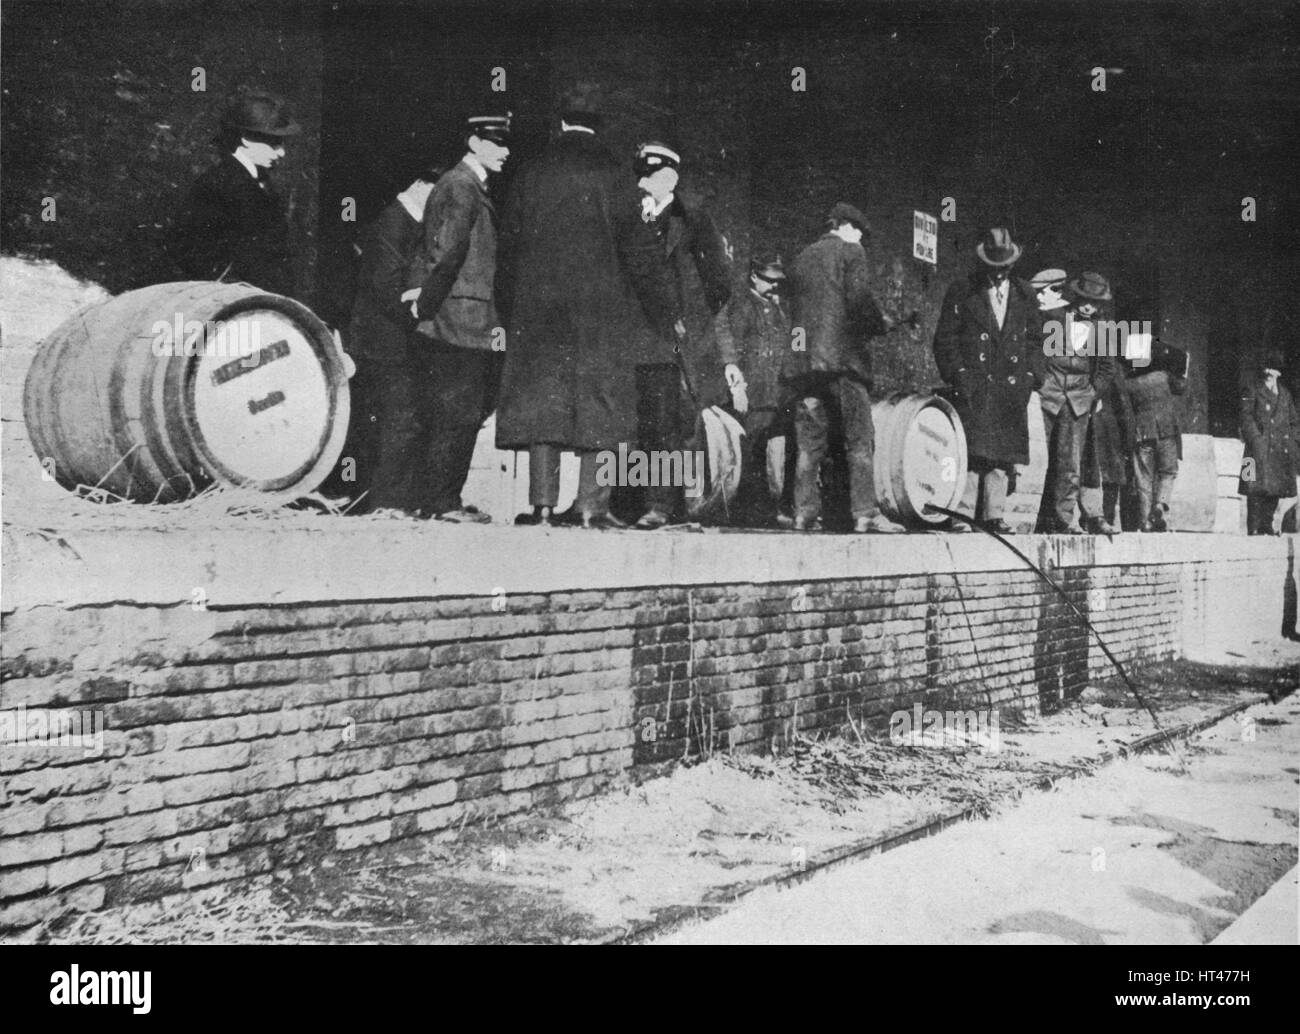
(744, 472)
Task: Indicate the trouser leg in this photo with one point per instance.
(660, 419)
(1166, 469)
(970, 493)
(399, 436)
(994, 492)
(544, 475)
(754, 499)
(463, 383)
(593, 498)
(1110, 501)
(859, 445)
(812, 433)
(1068, 435)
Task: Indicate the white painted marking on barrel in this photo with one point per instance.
(257, 440)
(930, 439)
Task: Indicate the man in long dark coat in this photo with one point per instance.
(986, 344)
(233, 226)
(1157, 432)
(459, 338)
(1270, 425)
(831, 373)
(701, 269)
(581, 273)
(386, 400)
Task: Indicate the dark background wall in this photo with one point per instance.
(906, 103)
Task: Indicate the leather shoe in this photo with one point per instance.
(541, 516)
(877, 525)
(807, 524)
(1000, 526)
(1098, 526)
(1157, 518)
(464, 515)
(602, 522)
(651, 520)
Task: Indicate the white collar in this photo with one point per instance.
(477, 166)
(567, 127)
(409, 201)
(242, 157)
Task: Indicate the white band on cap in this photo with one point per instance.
(662, 152)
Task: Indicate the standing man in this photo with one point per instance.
(1157, 432)
(985, 345)
(385, 402)
(1269, 426)
(834, 308)
(581, 275)
(754, 353)
(452, 291)
(1075, 377)
(233, 226)
(701, 267)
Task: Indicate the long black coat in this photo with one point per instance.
(381, 324)
(702, 280)
(1269, 426)
(1110, 436)
(233, 227)
(758, 343)
(579, 276)
(992, 370)
(455, 268)
(831, 303)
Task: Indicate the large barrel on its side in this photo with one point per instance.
(920, 457)
(157, 393)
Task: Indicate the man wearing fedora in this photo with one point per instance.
(831, 373)
(753, 354)
(701, 266)
(1075, 378)
(986, 346)
(451, 286)
(233, 225)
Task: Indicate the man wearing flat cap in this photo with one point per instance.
(459, 339)
(233, 225)
(701, 266)
(581, 274)
(831, 374)
(753, 353)
(986, 345)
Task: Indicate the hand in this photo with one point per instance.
(1096, 406)
(413, 296)
(735, 379)
(349, 364)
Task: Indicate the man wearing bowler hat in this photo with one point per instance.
(829, 368)
(986, 345)
(233, 225)
(459, 340)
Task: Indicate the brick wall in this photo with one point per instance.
(245, 736)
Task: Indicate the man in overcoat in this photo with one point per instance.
(1269, 426)
(460, 338)
(1157, 432)
(581, 274)
(830, 370)
(701, 267)
(987, 345)
(233, 225)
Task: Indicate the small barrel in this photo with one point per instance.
(158, 393)
(920, 457)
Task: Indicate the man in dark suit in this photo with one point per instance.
(985, 345)
(233, 224)
(830, 366)
(1157, 431)
(386, 403)
(701, 269)
(581, 273)
(1075, 376)
(460, 339)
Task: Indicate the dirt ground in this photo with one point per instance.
(646, 858)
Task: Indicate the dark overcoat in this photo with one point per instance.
(381, 324)
(701, 269)
(831, 303)
(579, 276)
(233, 227)
(455, 267)
(1156, 411)
(1269, 425)
(1110, 436)
(992, 371)
(758, 343)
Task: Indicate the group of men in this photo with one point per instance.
(596, 309)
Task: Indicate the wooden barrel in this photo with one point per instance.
(920, 457)
(260, 401)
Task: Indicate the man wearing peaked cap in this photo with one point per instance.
(700, 260)
(233, 226)
(987, 346)
(452, 287)
(1047, 286)
(829, 369)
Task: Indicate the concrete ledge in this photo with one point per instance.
(261, 563)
